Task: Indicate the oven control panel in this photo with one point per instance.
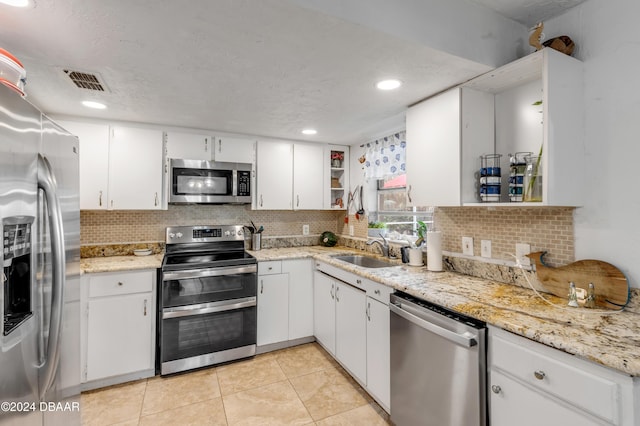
(204, 234)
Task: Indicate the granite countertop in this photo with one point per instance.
(611, 339)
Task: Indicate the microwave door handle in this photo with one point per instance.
(234, 178)
(47, 182)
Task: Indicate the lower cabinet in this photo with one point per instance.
(533, 384)
(351, 321)
(118, 327)
(285, 301)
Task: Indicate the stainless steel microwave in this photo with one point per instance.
(209, 182)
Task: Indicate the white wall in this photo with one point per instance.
(608, 42)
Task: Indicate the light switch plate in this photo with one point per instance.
(467, 246)
(485, 248)
(305, 229)
(521, 250)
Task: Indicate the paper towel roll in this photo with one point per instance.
(434, 251)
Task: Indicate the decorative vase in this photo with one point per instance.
(335, 163)
(533, 179)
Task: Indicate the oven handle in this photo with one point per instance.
(208, 308)
(208, 272)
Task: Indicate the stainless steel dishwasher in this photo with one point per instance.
(438, 365)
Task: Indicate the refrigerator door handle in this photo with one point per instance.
(47, 182)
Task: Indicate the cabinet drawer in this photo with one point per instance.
(116, 284)
(555, 373)
(271, 267)
(378, 291)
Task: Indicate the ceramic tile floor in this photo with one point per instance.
(302, 385)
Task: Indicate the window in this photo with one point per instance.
(393, 210)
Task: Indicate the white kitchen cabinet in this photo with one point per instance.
(285, 302)
(324, 311)
(188, 146)
(94, 164)
(553, 387)
(136, 164)
(118, 326)
(351, 330)
(308, 176)
(499, 113)
(378, 351)
(300, 273)
(273, 309)
(274, 175)
(234, 150)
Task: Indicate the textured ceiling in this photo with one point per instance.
(261, 67)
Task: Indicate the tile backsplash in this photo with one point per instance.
(544, 228)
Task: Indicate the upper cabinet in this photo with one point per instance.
(136, 165)
(94, 164)
(308, 176)
(234, 150)
(336, 160)
(531, 105)
(188, 146)
(274, 175)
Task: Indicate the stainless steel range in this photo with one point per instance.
(207, 298)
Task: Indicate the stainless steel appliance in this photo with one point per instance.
(208, 182)
(207, 302)
(438, 365)
(40, 301)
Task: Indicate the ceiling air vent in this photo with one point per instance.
(84, 80)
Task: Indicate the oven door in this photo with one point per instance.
(197, 286)
(200, 335)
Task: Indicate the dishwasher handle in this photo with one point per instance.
(452, 336)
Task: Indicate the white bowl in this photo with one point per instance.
(142, 252)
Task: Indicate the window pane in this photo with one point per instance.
(392, 200)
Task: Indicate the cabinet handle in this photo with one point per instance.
(337, 298)
(496, 389)
(332, 291)
(155, 202)
(261, 286)
(260, 200)
(206, 144)
(219, 145)
(409, 194)
(539, 374)
(368, 311)
(111, 203)
(377, 292)
(297, 201)
(100, 199)
(358, 281)
(145, 307)
(119, 283)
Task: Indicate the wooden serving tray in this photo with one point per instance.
(610, 284)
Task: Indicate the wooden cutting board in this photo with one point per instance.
(610, 284)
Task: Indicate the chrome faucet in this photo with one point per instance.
(383, 246)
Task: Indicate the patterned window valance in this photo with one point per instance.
(385, 157)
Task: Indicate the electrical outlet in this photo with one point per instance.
(351, 230)
(305, 229)
(467, 246)
(485, 248)
(521, 251)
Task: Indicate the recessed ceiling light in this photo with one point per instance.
(94, 105)
(16, 3)
(309, 132)
(388, 84)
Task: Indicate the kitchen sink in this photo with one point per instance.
(365, 261)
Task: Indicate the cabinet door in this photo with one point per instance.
(324, 314)
(351, 330)
(274, 175)
(308, 176)
(511, 403)
(188, 146)
(378, 351)
(135, 169)
(94, 163)
(273, 311)
(119, 335)
(300, 297)
(234, 150)
(433, 151)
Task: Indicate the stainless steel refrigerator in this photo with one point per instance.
(40, 300)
